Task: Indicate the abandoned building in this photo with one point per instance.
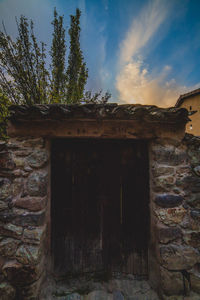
(191, 101)
(92, 188)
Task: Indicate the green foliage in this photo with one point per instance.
(4, 114)
(24, 78)
(58, 51)
(97, 98)
(77, 73)
(23, 75)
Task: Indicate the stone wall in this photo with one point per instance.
(174, 257)
(175, 216)
(23, 217)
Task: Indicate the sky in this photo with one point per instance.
(141, 51)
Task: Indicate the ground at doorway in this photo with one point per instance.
(126, 288)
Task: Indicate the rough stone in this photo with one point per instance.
(7, 291)
(28, 254)
(178, 257)
(34, 235)
(171, 216)
(117, 295)
(17, 187)
(31, 292)
(163, 183)
(193, 200)
(192, 239)
(168, 200)
(189, 183)
(6, 161)
(6, 216)
(8, 247)
(19, 162)
(22, 152)
(195, 214)
(194, 156)
(37, 184)
(11, 230)
(37, 159)
(168, 234)
(20, 275)
(195, 282)
(160, 171)
(32, 143)
(29, 219)
(169, 156)
(5, 190)
(171, 282)
(99, 295)
(197, 170)
(31, 203)
(3, 205)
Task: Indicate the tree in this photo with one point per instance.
(23, 75)
(58, 52)
(4, 113)
(77, 73)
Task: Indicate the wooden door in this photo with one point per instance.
(100, 213)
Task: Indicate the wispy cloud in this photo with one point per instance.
(134, 82)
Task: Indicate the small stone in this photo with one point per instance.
(168, 200)
(6, 161)
(20, 275)
(28, 169)
(17, 173)
(31, 203)
(37, 159)
(11, 230)
(171, 282)
(168, 234)
(159, 171)
(177, 257)
(29, 219)
(19, 162)
(17, 187)
(171, 216)
(7, 291)
(169, 156)
(6, 216)
(3, 205)
(117, 295)
(8, 247)
(73, 296)
(195, 214)
(99, 295)
(192, 239)
(37, 184)
(32, 143)
(193, 200)
(195, 282)
(5, 190)
(163, 183)
(31, 292)
(197, 170)
(28, 254)
(34, 235)
(22, 152)
(189, 183)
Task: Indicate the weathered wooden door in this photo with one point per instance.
(100, 213)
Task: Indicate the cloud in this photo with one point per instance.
(142, 29)
(134, 83)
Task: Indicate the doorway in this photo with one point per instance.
(100, 205)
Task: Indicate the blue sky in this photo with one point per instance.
(142, 51)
